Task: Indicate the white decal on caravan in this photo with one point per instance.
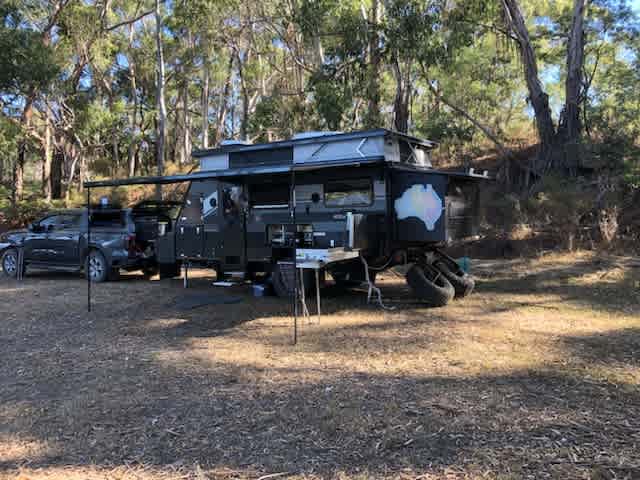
(421, 202)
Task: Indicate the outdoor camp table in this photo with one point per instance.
(316, 266)
(316, 259)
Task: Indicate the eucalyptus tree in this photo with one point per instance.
(577, 24)
(28, 62)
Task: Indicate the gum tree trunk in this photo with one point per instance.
(205, 102)
(48, 157)
(162, 107)
(372, 117)
(403, 95)
(537, 96)
(18, 166)
(572, 127)
(131, 154)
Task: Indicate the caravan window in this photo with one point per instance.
(348, 193)
(269, 195)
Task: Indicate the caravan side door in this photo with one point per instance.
(190, 227)
(233, 203)
(213, 222)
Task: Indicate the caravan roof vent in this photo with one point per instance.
(231, 142)
(303, 135)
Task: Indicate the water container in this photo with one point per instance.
(465, 264)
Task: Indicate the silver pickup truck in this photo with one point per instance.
(118, 239)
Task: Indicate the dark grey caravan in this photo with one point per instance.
(350, 204)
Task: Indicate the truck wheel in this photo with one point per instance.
(281, 281)
(462, 282)
(10, 263)
(430, 285)
(96, 267)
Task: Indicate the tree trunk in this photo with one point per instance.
(131, 154)
(18, 166)
(223, 104)
(372, 117)
(18, 173)
(205, 101)
(57, 166)
(115, 147)
(186, 125)
(47, 156)
(537, 96)
(75, 152)
(162, 108)
(244, 122)
(403, 96)
(571, 127)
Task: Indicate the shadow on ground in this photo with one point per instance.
(616, 347)
(122, 386)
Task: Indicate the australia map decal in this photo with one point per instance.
(421, 202)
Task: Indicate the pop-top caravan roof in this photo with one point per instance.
(318, 148)
(313, 150)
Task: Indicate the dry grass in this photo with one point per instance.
(535, 376)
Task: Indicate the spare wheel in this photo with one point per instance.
(430, 285)
(462, 282)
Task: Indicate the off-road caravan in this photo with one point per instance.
(355, 203)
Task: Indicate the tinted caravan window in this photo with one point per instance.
(348, 193)
(269, 195)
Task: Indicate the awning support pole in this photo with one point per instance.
(87, 268)
(295, 257)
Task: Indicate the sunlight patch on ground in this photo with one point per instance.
(16, 449)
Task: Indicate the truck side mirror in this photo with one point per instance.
(31, 227)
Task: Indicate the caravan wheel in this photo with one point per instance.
(430, 285)
(283, 280)
(462, 282)
(343, 279)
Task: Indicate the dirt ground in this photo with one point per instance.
(536, 375)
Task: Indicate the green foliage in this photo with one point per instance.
(632, 172)
(275, 68)
(26, 211)
(559, 202)
(332, 99)
(26, 63)
(444, 126)
(503, 211)
(283, 116)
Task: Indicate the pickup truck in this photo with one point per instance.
(58, 241)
